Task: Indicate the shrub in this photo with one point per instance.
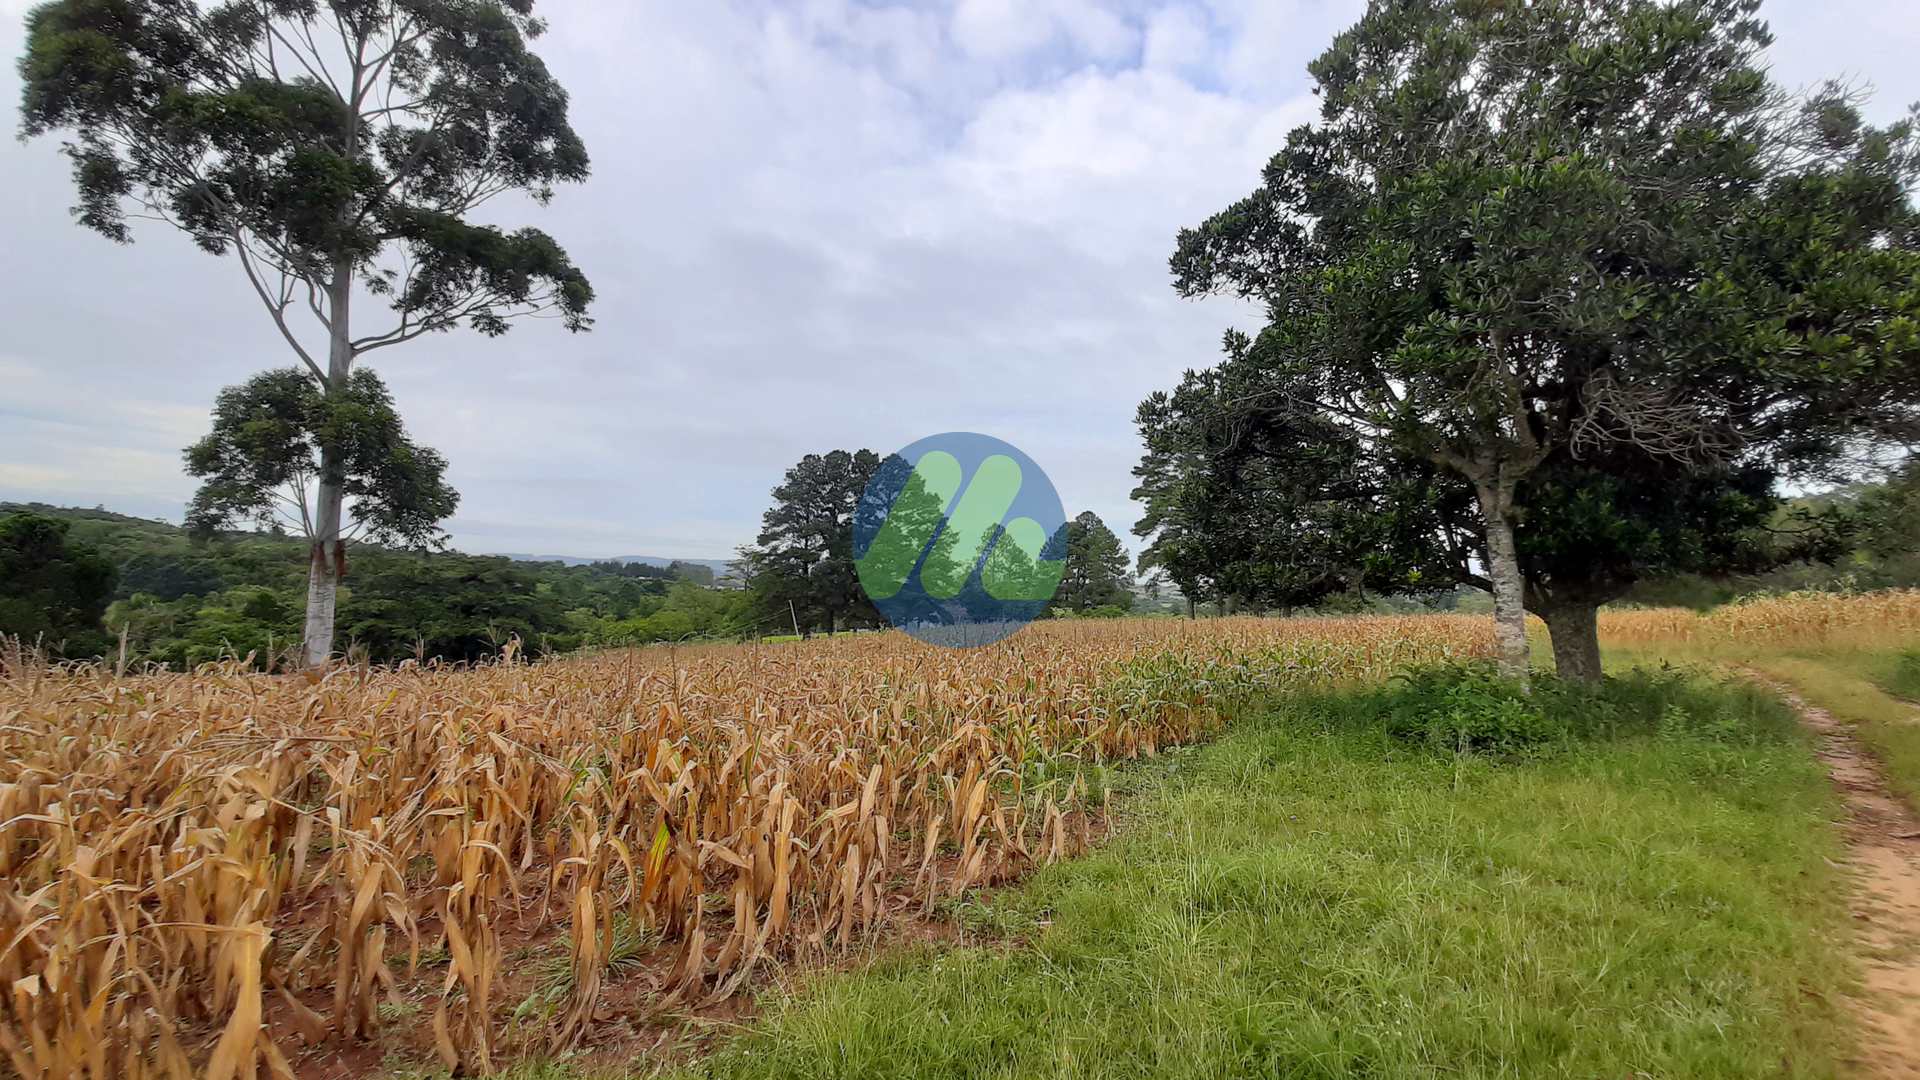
(1458, 707)
(1468, 707)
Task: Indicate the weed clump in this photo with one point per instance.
(1902, 675)
(1463, 707)
(1468, 707)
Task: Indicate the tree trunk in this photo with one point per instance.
(1191, 613)
(327, 559)
(1574, 628)
(323, 577)
(1509, 596)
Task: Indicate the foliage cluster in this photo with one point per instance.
(1876, 546)
(52, 591)
(1098, 569)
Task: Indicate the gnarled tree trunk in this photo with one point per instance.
(1509, 588)
(1574, 628)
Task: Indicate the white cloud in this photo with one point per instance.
(1001, 30)
(811, 224)
(997, 29)
(1176, 39)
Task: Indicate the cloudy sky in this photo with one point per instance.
(814, 224)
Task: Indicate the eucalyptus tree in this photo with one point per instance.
(337, 150)
(1528, 233)
(263, 458)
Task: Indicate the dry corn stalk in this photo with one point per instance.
(206, 873)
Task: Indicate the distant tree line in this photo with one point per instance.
(75, 581)
(79, 583)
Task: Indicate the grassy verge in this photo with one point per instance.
(1898, 673)
(1314, 896)
(1877, 691)
(1849, 685)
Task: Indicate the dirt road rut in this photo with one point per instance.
(1883, 852)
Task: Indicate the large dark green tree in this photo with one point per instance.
(337, 150)
(1530, 233)
(1096, 567)
(802, 564)
(1280, 507)
(52, 591)
(1252, 496)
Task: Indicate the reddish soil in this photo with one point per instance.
(1883, 855)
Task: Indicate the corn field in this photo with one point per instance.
(1801, 619)
(224, 873)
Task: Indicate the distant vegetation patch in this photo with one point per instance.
(1901, 675)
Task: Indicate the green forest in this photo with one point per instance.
(183, 600)
(90, 583)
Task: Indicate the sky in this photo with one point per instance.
(811, 225)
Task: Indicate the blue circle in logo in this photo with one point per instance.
(959, 539)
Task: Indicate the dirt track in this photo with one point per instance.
(1883, 853)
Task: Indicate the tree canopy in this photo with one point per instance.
(52, 591)
(263, 457)
(316, 140)
(1561, 236)
(1096, 572)
(802, 564)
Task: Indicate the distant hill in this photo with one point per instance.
(98, 523)
(182, 600)
(720, 566)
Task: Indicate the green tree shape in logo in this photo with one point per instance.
(1014, 571)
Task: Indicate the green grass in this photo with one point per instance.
(1899, 674)
(1313, 897)
(1848, 684)
(1876, 691)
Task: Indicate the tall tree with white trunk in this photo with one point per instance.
(337, 149)
(262, 460)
